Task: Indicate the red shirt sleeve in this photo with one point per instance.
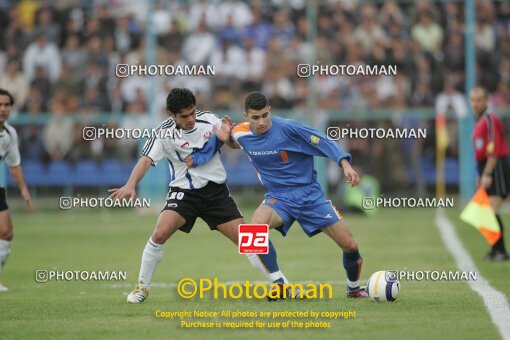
(493, 138)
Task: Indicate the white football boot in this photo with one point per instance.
(138, 295)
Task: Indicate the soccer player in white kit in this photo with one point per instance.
(9, 152)
(197, 192)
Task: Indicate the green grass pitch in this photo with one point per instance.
(404, 239)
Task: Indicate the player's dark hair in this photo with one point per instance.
(6, 93)
(179, 99)
(255, 101)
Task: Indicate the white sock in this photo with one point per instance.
(5, 250)
(277, 275)
(352, 284)
(151, 256)
(255, 262)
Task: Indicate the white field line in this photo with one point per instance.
(495, 301)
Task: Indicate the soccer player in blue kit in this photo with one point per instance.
(282, 151)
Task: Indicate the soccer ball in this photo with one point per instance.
(383, 286)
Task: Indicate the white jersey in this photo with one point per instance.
(176, 149)
(9, 150)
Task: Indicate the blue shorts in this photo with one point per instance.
(307, 205)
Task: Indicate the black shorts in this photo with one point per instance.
(212, 203)
(500, 185)
(3, 200)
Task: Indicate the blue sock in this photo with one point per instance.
(352, 264)
(271, 265)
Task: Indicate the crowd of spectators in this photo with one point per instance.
(59, 57)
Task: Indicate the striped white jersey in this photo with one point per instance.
(9, 150)
(174, 148)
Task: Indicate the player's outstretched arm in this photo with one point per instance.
(315, 143)
(225, 131)
(221, 135)
(203, 155)
(17, 175)
(129, 189)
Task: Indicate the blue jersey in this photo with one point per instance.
(282, 156)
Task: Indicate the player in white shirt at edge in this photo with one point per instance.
(9, 152)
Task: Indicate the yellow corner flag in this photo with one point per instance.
(480, 215)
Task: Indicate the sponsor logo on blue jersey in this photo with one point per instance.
(263, 153)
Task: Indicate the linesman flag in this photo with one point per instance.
(479, 214)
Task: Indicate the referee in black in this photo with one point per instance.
(491, 153)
